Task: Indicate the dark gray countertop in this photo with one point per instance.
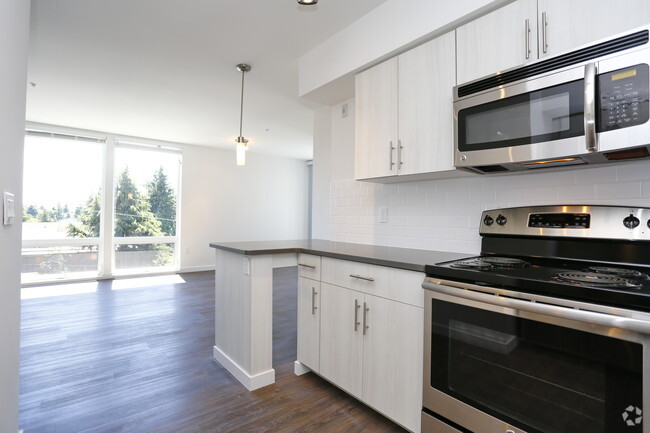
(402, 258)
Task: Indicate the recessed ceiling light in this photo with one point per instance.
(307, 2)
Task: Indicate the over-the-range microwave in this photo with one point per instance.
(586, 106)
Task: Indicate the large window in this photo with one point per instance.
(73, 230)
(62, 207)
(144, 224)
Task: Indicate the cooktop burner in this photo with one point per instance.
(489, 263)
(598, 279)
(621, 272)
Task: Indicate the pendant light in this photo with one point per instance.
(242, 143)
(307, 2)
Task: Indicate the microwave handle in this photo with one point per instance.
(591, 138)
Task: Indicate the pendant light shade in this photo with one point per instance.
(307, 2)
(242, 143)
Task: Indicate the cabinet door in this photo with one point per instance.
(376, 121)
(392, 360)
(309, 323)
(497, 41)
(569, 24)
(341, 344)
(427, 75)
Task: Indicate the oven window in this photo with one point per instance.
(540, 377)
(543, 115)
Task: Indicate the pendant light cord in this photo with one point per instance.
(241, 112)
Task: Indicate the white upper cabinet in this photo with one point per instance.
(376, 121)
(499, 40)
(526, 30)
(570, 24)
(404, 114)
(426, 78)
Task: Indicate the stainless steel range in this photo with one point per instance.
(548, 330)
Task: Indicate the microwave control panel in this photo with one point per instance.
(623, 98)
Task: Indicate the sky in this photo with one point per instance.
(68, 171)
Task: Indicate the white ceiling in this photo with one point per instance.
(165, 69)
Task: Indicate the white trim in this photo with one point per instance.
(196, 269)
(138, 240)
(299, 368)
(250, 382)
(65, 242)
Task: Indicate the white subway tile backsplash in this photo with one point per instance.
(597, 175)
(618, 190)
(445, 214)
(637, 171)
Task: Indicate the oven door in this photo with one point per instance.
(503, 361)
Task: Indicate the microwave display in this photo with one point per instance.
(623, 98)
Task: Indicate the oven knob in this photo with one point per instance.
(488, 220)
(631, 221)
(501, 220)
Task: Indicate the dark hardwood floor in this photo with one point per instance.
(138, 359)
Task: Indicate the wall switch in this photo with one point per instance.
(246, 262)
(8, 208)
(344, 110)
(383, 214)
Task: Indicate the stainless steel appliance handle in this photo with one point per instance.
(399, 154)
(527, 38)
(313, 300)
(390, 151)
(365, 315)
(591, 138)
(361, 277)
(304, 265)
(544, 32)
(356, 315)
(451, 289)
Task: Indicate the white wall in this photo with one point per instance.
(321, 174)
(264, 200)
(14, 31)
(325, 72)
(445, 214)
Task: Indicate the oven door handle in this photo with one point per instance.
(608, 320)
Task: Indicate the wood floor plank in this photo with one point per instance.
(139, 360)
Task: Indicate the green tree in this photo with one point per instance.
(89, 217)
(45, 216)
(162, 201)
(133, 216)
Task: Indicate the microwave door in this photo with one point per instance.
(538, 119)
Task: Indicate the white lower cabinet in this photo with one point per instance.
(341, 357)
(371, 346)
(392, 360)
(309, 299)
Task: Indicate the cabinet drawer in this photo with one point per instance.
(391, 283)
(309, 266)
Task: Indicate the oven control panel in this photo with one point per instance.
(597, 222)
(560, 220)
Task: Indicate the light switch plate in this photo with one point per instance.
(8, 208)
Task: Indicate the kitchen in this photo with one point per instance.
(432, 214)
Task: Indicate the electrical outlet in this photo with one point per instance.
(383, 214)
(344, 110)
